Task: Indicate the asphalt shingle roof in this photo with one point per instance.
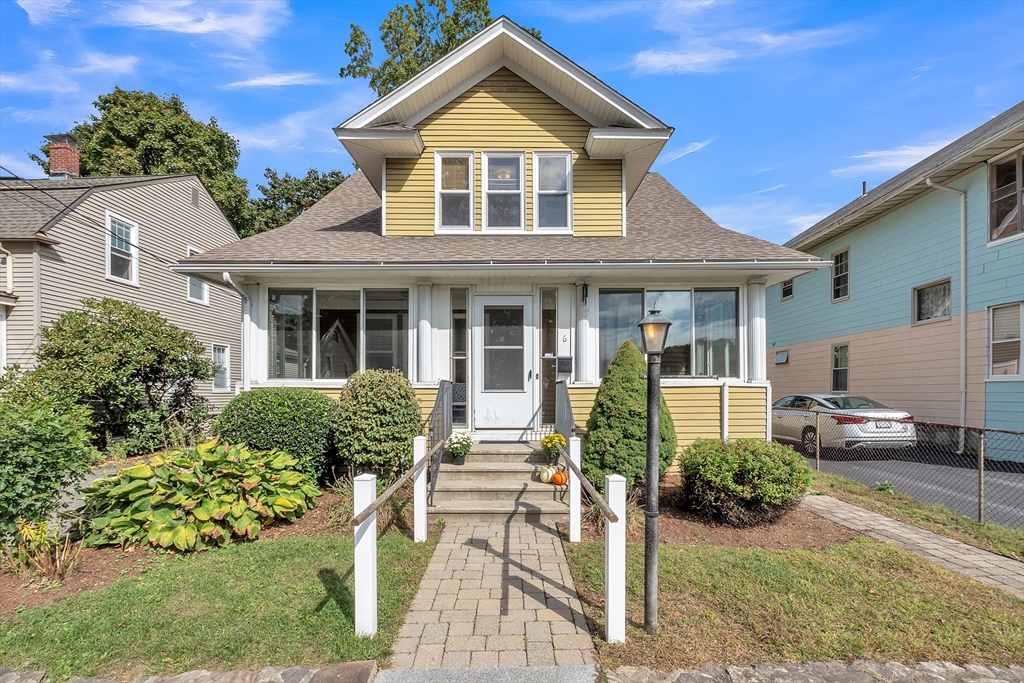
(345, 227)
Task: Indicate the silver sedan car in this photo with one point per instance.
(845, 422)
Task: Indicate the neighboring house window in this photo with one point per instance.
(1006, 197)
(195, 196)
(787, 289)
(503, 192)
(454, 186)
(840, 275)
(222, 362)
(781, 357)
(198, 291)
(1006, 334)
(841, 367)
(552, 185)
(122, 253)
(932, 302)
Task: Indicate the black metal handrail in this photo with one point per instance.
(565, 424)
(439, 428)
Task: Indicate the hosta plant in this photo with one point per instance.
(193, 499)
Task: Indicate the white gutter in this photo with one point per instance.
(9, 269)
(963, 300)
(246, 316)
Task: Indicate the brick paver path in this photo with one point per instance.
(989, 568)
(495, 595)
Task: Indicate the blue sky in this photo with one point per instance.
(781, 109)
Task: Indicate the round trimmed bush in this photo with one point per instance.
(616, 441)
(378, 417)
(745, 482)
(295, 420)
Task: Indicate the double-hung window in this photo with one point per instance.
(122, 252)
(841, 275)
(552, 187)
(222, 365)
(454, 186)
(1006, 334)
(503, 191)
(198, 291)
(1007, 193)
(841, 368)
(787, 289)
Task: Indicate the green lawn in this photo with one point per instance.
(275, 602)
(998, 539)
(861, 599)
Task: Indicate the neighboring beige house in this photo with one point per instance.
(66, 239)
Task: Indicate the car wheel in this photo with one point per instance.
(807, 441)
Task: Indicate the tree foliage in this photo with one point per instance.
(616, 441)
(414, 37)
(285, 197)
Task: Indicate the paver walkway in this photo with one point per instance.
(989, 568)
(495, 595)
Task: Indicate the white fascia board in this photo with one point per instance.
(599, 139)
(375, 138)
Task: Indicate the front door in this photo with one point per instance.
(503, 388)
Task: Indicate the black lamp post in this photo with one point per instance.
(654, 333)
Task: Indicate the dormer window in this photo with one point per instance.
(454, 183)
(503, 194)
(553, 190)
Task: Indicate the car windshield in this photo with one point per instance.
(854, 402)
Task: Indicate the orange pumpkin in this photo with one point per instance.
(559, 478)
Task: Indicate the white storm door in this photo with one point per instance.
(503, 388)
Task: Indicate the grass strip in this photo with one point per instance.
(861, 599)
(279, 602)
(941, 520)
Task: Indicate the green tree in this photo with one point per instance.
(414, 37)
(141, 133)
(616, 441)
(285, 197)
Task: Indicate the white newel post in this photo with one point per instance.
(757, 339)
(574, 491)
(419, 491)
(615, 561)
(365, 490)
(424, 356)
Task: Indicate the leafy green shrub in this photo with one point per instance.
(43, 450)
(616, 441)
(193, 499)
(377, 420)
(134, 372)
(742, 483)
(296, 420)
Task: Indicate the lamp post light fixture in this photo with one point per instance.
(654, 333)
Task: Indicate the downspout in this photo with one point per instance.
(963, 302)
(8, 269)
(246, 315)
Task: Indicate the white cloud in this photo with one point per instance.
(775, 220)
(889, 160)
(278, 80)
(308, 129)
(669, 157)
(44, 11)
(704, 60)
(240, 21)
(21, 168)
(769, 189)
(51, 76)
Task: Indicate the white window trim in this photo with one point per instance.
(522, 192)
(782, 288)
(134, 240)
(567, 154)
(989, 377)
(914, 308)
(832, 368)
(1015, 154)
(192, 251)
(227, 368)
(438, 155)
(832, 276)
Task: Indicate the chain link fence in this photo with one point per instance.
(975, 472)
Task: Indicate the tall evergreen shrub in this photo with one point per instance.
(616, 441)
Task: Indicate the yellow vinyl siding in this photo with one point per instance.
(504, 113)
(696, 412)
(748, 412)
(581, 400)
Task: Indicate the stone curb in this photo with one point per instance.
(860, 671)
(345, 672)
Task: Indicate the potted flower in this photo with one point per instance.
(458, 445)
(550, 444)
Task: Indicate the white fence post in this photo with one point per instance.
(574, 492)
(615, 561)
(365, 486)
(419, 491)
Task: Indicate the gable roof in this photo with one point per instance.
(1001, 133)
(344, 228)
(29, 208)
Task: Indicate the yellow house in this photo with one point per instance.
(504, 235)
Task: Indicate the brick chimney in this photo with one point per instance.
(63, 156)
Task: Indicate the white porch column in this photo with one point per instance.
(757, 335)
(582, 336)
(424, 357)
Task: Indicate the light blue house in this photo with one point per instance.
(888, 320)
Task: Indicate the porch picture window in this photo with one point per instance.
(716, 333)
(122, 255)
(387, 324)
(1006, 335)
(932, 302)
(1006, 197)
(503, 197)
(841, 367)
(338, 331)
(221, 360)
(675, 361)
(553, 190)
(840, 275)
(455, 191)
(619, 311)
(460, 356)
(290, 333)
(198, 291)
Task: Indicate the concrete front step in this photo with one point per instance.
(500, 471)
(498, 489)
(497, 511)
